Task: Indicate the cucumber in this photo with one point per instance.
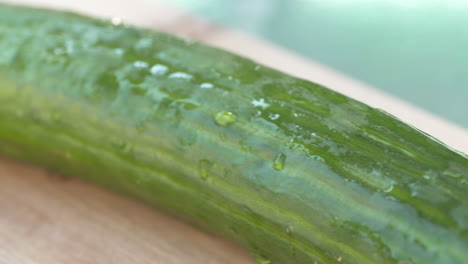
(293, 171)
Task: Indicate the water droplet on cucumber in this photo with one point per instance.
(289, 230)
(205, 167)
(430, 175)
(180, 75)
(389, 189)
(262, 260)
(225, 118)
(144, 43)
(119, 51)
(273, 116)
(140, 64)
(159, 69)
(206, 85)
(244, 146)
(279, 162)
(260, 103)
(414, 188)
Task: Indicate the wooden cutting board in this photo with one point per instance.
(46, 218)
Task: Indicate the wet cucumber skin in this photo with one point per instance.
(293, 171)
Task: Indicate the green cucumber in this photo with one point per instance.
(293, 171)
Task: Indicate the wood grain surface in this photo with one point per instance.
(45, 218)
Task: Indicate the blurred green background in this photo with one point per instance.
(414, 49)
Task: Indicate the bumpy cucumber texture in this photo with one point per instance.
(293, 171)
